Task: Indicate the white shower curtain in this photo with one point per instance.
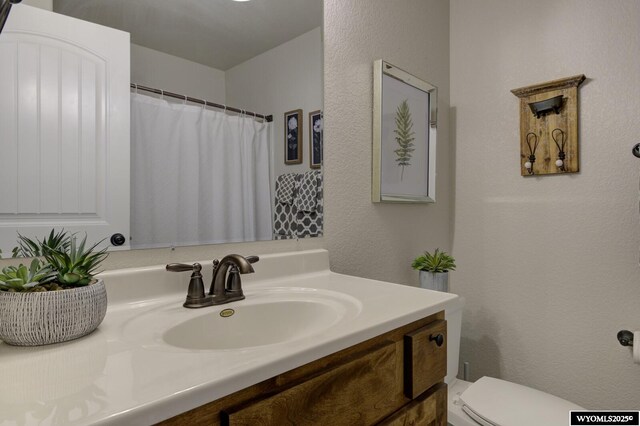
(197, 176)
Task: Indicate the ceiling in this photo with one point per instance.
(216, 33)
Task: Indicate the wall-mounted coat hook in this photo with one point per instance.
(554, 105)
(532, 152)
(559, 134)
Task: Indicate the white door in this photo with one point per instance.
(64, 127)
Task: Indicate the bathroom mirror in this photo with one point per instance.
(260, 56)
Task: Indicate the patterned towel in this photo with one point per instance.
(285, 186)
(307, 196)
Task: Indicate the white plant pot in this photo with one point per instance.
(43, 318)
(438, 281)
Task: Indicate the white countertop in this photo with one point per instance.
(113, 377)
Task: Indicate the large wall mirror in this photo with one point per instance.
(225, 103)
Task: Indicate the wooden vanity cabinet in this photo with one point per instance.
(396, 378)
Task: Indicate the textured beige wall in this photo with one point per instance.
(380, 240)
(548, 265)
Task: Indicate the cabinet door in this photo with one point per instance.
(428, 409)
(361, 391)
(425, 358)
(64, 127)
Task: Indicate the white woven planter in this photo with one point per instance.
(42, 318)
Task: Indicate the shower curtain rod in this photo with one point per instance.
(267, 118)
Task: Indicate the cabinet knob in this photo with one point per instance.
(439, 339)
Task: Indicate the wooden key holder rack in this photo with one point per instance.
(549, 127)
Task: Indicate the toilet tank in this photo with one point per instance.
(453, 315)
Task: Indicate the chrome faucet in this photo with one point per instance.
(220, 291)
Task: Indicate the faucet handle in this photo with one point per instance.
(195, 295)
(183, 267)
(252, 259)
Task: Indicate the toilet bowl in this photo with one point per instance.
(495, 402)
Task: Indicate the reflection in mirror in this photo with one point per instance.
(201, 165)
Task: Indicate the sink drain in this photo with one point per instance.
(226, 313)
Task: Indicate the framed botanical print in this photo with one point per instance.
(404, 137)
(293, 137)
(315, 139)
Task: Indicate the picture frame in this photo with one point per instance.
(293, 126)
(405, 112)
(316, 132)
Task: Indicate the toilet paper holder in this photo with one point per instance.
(625, 337)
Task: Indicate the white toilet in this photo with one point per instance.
(494, 402)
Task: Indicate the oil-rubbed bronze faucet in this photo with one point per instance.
(219, 292)
(223, 289)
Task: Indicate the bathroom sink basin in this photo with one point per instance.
(266, 317)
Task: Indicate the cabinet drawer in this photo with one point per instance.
(361, 391)
(430, 408)
(425, 361)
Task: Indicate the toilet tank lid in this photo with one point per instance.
(503, 403)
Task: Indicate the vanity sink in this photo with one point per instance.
(268, 316)
(253, 325)
(152, 359)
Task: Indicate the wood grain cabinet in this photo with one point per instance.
(396, 378)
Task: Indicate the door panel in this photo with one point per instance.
(64, 126)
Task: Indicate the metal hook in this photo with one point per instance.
(561, 137)
(532, 157)
(636, 150)
(560, 145)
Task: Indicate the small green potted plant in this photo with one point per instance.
(56, 298)
(434, 269)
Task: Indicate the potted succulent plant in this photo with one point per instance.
(434, 269)
(56, 298)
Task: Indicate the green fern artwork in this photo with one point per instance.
(404, 136)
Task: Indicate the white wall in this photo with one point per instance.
(285, 78)
(167, 72)
(380, 240)
(548, 265)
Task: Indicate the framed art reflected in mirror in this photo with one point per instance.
(293, 137)
(316, 130)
